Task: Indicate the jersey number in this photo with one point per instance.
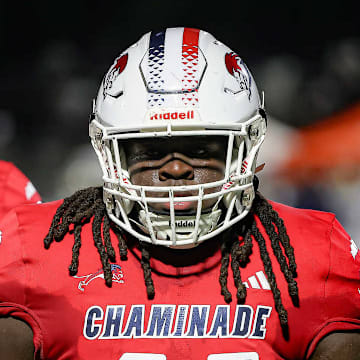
(229, 356)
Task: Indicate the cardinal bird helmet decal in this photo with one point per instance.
(117, 68)
(237, 68)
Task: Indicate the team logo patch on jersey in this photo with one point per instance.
(117, 277)
(237, 68)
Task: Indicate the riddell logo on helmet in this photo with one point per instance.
(185, 223)
(173, 115)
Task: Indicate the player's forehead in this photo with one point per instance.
(177, 143)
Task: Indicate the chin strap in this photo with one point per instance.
(256, 183)
(184, 225)
(259, 168)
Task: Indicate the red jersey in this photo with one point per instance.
(80, 318)
(15, 188)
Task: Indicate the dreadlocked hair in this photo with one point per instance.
(240, 255)
(86, 204)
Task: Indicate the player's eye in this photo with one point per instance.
(199, 153)
(144, 156)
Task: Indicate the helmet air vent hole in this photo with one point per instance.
(117, 95)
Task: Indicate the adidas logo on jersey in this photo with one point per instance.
(257, 281)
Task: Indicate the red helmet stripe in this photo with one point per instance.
(190, 60)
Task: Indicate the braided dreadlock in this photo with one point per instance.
(79, 208)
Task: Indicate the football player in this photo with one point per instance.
(15, 188)
(177, 126)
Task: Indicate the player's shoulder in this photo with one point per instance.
(305, 224)
(304, 216)
(6, 167)
(21, 228)
(6, 164)
(16, 187)
(32, 215)
(315, 232)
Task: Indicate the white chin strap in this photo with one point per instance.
(184, 227)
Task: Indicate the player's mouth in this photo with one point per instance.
(181, 205)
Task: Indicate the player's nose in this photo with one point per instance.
(176, 169)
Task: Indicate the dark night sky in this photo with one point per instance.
(257, 28)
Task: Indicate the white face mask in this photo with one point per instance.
(235, 189)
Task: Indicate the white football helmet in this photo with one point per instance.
(178, 82)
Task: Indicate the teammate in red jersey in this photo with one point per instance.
(177, 126)
(15, 188)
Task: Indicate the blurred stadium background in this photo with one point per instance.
(305, 58)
